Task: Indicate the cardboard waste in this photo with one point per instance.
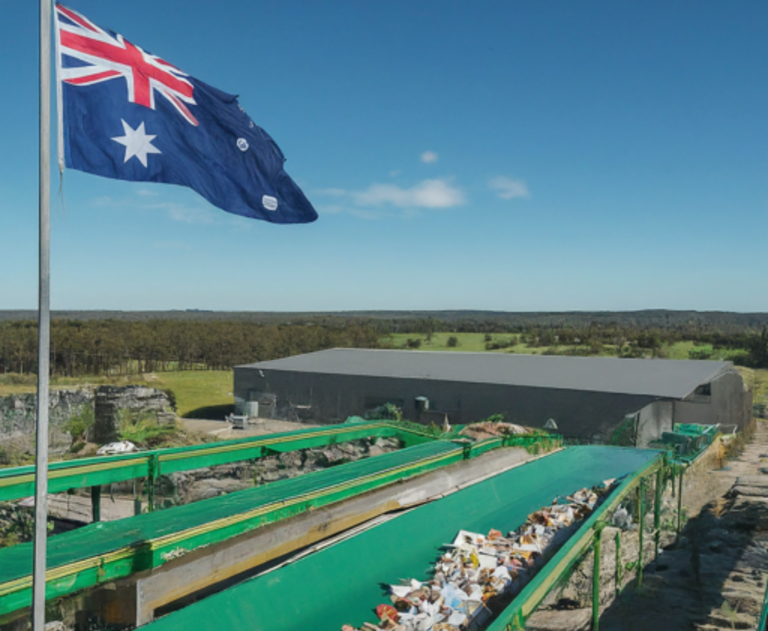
(476, 568)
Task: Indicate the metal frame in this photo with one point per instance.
(152, 552)
(18, 482)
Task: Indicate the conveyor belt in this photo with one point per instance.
(18, 482)
(342, 584)
(103, 552)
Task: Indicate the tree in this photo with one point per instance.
(453, 341)
(757, 349)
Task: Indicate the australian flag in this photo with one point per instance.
(132, 116)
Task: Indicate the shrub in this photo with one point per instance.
(171, 399)
(388, 411)
(79, 425)
(453, 341)
(701, 352)
(142, 428)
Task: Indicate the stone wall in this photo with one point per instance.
(18, 413)
(110, 399)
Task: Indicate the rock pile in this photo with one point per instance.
(487, 429)
(191, 486)
(477, 568)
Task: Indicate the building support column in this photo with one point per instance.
(640, 525)
(596, 578)
(619, 567)
(96, 503)
(679, 505)
(657, 512)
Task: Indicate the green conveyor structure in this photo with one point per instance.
(342, 584)
(103, 552)
(18, 482)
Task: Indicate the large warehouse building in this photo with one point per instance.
(590, 398)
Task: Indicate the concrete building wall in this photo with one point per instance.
(586, 415)
(653, 420)
(333, 398)
(727, 403)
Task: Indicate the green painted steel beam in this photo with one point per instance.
(566, 558)
(108, 551)
(18, 482)
(596, 547)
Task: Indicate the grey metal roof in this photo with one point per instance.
(665, 378)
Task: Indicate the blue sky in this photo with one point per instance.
(503, 155)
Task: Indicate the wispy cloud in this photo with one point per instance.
(184, 213)
(105, 201)
(239, 223)
(330, 209)
(333, 192)
(429, 156)
(145, 192)
(176, 211)
(507, 188)
(426, 194)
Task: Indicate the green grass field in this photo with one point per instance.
(472, 342)
(475, 342)
(198, 392)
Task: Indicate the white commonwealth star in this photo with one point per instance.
(137, 143)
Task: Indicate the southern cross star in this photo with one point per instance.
(137, 143)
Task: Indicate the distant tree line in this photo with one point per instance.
(98, 347)
(744, 340)
(123, 346)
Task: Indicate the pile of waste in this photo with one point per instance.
(488, 429)
(476, 568)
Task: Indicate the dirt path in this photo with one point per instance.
(715, 578)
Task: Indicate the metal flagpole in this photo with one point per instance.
(44, 325)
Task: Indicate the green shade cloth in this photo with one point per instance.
(342, 584)
(101, 538)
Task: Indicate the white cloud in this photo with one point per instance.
(105, 201)
(333, 192)
(143, 192)
(507, 188)
(176, 211)
(335, 209)
(184, 213)
(330, 209)
(429, 156)
(426, 194)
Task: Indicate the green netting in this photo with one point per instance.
(344, 583)
(688, 440)
(101, 538)
(18, 482)
(694, 429)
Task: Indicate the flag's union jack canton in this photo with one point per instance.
(130, 115)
